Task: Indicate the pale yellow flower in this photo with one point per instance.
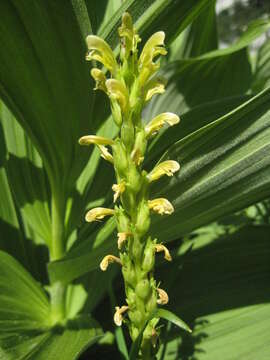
(105, 154)
(118, 190)
(100, 51)
(168, 167)
(98, 213)
(96, 140)
(161, 206)
(152, 48)
(109, 259)
(118, 315)
(99, 78)
(163, 297)
(155, 86)
(118, 91)
(122, 237)
(160, 247)
(128, 32)
(159, 121)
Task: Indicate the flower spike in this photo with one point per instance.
(96, 140)
(98, 213)
(109, 259)
(160, 247)
(159, 121)
(118, 317)
(100, 51)
(163, 297)
(161, 206)
(168, 167)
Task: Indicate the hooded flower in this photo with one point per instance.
(118, 315)
(108, 259)
(118, 91)
(98, 213)
(118, 190)
(168, 167)
(96, 140)
(100, 51)
(159, 121)
(99, 78)
(163, 297)
(105, 154)
(161, 206)
(160, 247)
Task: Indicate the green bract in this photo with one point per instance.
(132, 84)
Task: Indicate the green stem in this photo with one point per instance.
(57, 251)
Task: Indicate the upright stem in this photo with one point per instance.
(57, 251)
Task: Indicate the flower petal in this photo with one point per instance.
(118, 91)
(98, 213)
(163, 297)
(96, 140)
(168, 167)
(118, 317)
(160, 247)
(159, 121)
(161, 206)
(109, 259)
(101, 51)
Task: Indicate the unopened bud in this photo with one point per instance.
(149, 256)
(143, 218)
(120, 158)
(143, 289)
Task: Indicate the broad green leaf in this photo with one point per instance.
(224, 169)
(30, 189)
(226, 306)
(200, 37)
(25, 331)
(23, 303)
(261, 76)
(67, 343)
(212, 76)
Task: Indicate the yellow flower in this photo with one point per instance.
(105, 154)
(122, 237)
(161, 206)
(96, 140)
(168, 167)
(118, 317)
(157, 123)
(118, 91)
(163, 297)
(100, 51)
(98, 213)
(109, 259)
(128, 32)
(99, 78)
(160, 247)
(152, 48)
(118, 190)
(153, 87)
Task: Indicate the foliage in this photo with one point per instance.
(50, 282)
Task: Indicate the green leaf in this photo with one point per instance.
(168, 315)
(261, 76)
(200, 37)
(23, 303)
(222, 289)
(224, 169)
(212, 76)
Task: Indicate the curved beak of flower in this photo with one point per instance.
(95, 140)
(118, 190)
(98, 213)
(163, 297)
(160, 247)
(99, 78)
(118, 91)
(161, 206)
(153, 87)
(118, 315)
(159, 121)
(100, 51)
(168, 167)
(109, 259)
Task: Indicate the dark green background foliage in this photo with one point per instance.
(219, 279)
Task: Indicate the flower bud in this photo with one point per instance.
(143, 219)
(139, 147)
(120, 158)
(127, 134)
(134, 178)
(135, 317)
(149, 256)
(143, 289)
